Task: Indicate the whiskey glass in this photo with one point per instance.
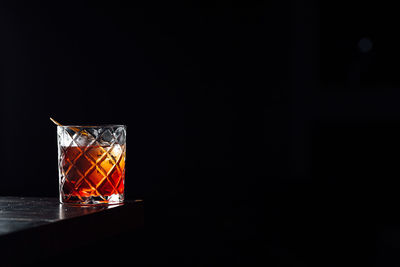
(91, 164)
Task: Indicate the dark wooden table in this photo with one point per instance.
(31, 228)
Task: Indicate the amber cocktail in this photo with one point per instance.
(92, 164)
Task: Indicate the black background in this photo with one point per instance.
(260, 135)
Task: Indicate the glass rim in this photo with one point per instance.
(92, 126)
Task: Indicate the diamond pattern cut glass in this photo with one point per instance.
(91, 164)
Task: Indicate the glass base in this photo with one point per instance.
(115, 199)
